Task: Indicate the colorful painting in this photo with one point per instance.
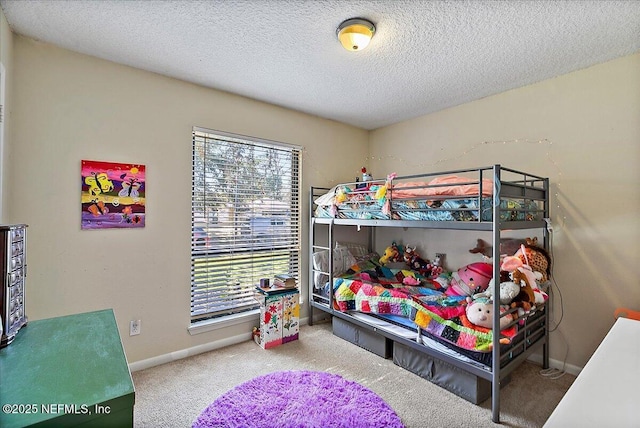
(113, 195)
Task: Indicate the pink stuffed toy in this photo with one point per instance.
(470, 279)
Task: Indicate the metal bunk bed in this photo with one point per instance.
(519, 185)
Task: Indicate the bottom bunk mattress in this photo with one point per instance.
(434, 312)
(438, 316)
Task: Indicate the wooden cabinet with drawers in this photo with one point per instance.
(13, 264)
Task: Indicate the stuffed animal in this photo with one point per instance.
(521, 274)
(341, 194)
(536, 257)
(391, 254)
(415, 262)
(509, 290)
(255, 333)
(507, 246)
(437, 266)
(470, 279)
(480, 312)
(525, 298)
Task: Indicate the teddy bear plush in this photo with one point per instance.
(480, 312)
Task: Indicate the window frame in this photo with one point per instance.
(281, 244)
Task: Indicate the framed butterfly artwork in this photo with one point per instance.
(113, 195)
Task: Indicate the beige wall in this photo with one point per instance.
(70, 107)
(582, 130)
(6, 59)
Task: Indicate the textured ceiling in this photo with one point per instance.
(424, 57)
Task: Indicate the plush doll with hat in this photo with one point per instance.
(470, 279)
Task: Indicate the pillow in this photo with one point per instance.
(356, 249)
(327, 199)
(342, 261)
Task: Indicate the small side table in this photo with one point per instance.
(279, 316)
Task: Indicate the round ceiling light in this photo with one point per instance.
(355, 34)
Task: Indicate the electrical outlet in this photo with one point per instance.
(135, 327)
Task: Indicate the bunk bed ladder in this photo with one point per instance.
(310, 256)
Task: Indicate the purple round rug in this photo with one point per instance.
(301, 399)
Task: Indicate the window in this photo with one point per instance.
(245, 208)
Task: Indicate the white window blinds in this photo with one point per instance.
(245, 206)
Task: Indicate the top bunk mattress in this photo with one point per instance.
(462, 195)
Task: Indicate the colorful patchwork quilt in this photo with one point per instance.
(379, 290)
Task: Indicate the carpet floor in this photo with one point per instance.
(175, 394)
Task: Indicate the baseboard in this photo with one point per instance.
(190, 352)
(556, 364)
(195, 350)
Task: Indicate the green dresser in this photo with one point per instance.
(67, 371)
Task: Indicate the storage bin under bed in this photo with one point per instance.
(462, 383)
(362, 337)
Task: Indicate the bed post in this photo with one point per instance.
(495, 352)
(331, 249)
(549, 305)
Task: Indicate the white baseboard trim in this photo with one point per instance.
(189, 352)
(206, 347)
(195, 350)
(556, 364)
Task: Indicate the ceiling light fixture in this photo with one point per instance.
(355, 34)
